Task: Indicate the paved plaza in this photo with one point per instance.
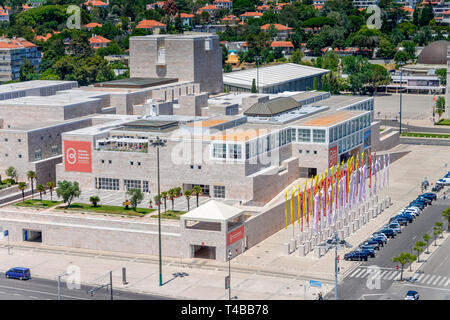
(262, 272)
(414, 107)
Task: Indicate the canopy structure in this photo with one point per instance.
(213, 211)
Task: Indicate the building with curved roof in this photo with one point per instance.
(434, 53)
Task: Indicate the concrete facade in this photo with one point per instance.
(187, 58)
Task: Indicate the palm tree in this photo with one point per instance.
(40, 188)
(172, 195)
(188, 194)
(94, 200)
(197, 190)
(31, 176)
(164, 196)
(22, 186)
(50, 186)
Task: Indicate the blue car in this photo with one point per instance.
(369, 249)
(374, 244)
(390, 233)
(356, 255)
(407, 216)
(401, 220)
(430, 195)
(419, 204)
(428, 201)
(18, 273)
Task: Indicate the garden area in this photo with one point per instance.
(170, 214)
(34, 203)
(443, 122)
(125, 210)
(425, 135)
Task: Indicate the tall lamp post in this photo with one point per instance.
(401, 89)
(59, 284)
(257, 60)
(337, 244)
(230, 255)
(157, 144)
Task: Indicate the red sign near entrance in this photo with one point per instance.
(332, 156)
(78, 156)
(235, 235)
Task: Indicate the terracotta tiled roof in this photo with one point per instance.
(95, 3)
(282, 44)
(148, 24)
(186, 15)
(92, 25)
(220, 1)
(231, 18)
(277, 26)
(209, 7)
(6, 43)
(251, 14)
(446, 12)
(407, 9)
(98, 39)
(318, 7)
(264, 7)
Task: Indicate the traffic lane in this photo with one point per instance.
(411, 233)
(399, 290)
(48, 289)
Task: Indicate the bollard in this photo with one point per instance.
(124, 276)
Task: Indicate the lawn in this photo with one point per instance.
(33, 203)
(444, 122)
(140, 212)
(169, 214)
(426, 135)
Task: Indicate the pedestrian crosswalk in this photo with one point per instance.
(388, 274)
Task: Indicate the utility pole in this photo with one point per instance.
(257, 59)
(336, 242)
(157, 144)
(401, 89)
(59, 284)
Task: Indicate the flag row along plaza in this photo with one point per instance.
(338, 201)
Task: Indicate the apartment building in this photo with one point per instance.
(13, 53)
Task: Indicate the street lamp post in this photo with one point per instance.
(336, 242)
(157, 144)
(59, 284)
(257, 59)
(401, 89)
(229, 274)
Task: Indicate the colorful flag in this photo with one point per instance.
(292, 204)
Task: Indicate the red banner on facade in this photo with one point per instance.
(78, 156)
(235, 235)
(332, 156)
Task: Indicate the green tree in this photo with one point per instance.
(164, 196)
(157, 199)
(440, 106)
(172, 195)
(427, 238)
(11, 173)
(188, 194)
(439, 228)
(227, 68)
(40, 188)
(136, 197)
(378, 76)
(22, 186)
(404, 258)
(386, 49)
(446, 215)
(197, 190)
(401, 57)
(419, 248)
(94, 200)
(51, 186)
(253, 89)
(68, 191)
(31, 175)
(297, 57)
(442, 74)
(27, 71)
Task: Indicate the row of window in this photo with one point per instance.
(114, 184)
(131, 162)
(38, 153)
(349, 127)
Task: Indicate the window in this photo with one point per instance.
(54, 150)
(20, 156)
(19, 140)
(315, 151)
(103, 161)
(219, 192)
(318, 135)
(219, 150)
(6, 139)
(6, 155)
(307, 151)
(145, 186)
(299, 150)
(38, 154)
(139, 163)
(199, 167)
(304, 135)
(131, 163)
(107, 183)
(109, 161)
(192, 167)
(132, 184)
(234, 151)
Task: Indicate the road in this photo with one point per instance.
(360, 284)
(408, 128)
(43, 289)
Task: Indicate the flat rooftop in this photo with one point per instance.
(34, 84)
(337, 102)
(272, 75)
(51, 101)
(136, 83)
(328, 119)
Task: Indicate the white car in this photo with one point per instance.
(413, 212)
(445, 181)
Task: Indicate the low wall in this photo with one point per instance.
(89, 232)
(7, 191)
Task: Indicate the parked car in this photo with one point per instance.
(430, 195)
(445, 181)
(356, 255)
(421, 205)
(374, 244)
(407, 216)
(370, 250)
(18, 273)
(428, 201)
(411, 212)
(412, 295)
(437, 187)
(388, 232)
(395, 226)
(401, 220)
(378, 240)
(380, 235)
(412, 209)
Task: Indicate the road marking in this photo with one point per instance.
(363, 274)
(448, 282)
(420, 277)
(431, 279)
(34, 297)
(391, 277)
(437, 279)
(383, 273)
(16, 294)
(426, 287)
(442, 281)
(425, 278)
(358, 273)
(355, 272)
(35, 291)
(397, 277)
